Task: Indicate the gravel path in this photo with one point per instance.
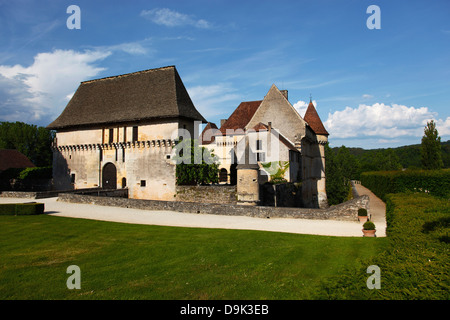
(377, 210)
(169, 218)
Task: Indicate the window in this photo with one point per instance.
(124, 134)
(258, 144)
(135, 133)
(111, 135)
(72, 178)
(143, 183)
(124, 182)
(123, 154)
(261, 156)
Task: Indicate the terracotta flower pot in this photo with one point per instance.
(368, 233)
(362, 218)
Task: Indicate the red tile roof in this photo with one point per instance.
(208, 134)
(10, 158)
(241, 116)
(313, 119)
(261, 127)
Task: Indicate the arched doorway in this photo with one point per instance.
(109, 176)
(223, 175)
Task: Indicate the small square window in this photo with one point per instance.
(143, 183)
(258, 144)
(261, 157)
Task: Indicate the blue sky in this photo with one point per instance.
(373, 88)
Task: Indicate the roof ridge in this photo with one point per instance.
(128, 74)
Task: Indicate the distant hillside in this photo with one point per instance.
(409, 156)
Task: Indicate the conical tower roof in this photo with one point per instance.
(313, 119)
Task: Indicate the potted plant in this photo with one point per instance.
(362, 215)
(369, 229)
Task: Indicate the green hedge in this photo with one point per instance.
(36, 173)
(416, 262)
(27, 173)
(434, 182)
(21, 209)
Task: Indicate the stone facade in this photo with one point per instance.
(144, 166)
(280, 140)
(119, 132)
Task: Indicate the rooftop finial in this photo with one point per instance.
(310, 98)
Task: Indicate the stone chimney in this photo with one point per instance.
(285, 93)
(270, 126)
(222, 121)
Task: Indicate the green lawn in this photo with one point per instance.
(124, 261)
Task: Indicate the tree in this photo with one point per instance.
(431, 148)
(34, 142)
(348, 163)
(195, 164)
(387, 160)
(337, 185)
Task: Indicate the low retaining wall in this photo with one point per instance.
(346, 211)
(207, 194)
(55, 193)
(29, 194)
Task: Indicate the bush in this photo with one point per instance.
(362, 212)
(36, 173)
(7, 209)
(21, 209)
(434, 182)
(416, 262)
(29, 208)
(369, 225)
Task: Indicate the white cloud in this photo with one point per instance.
(39, 92)
(367, 96)
(208, 99)
(443, 127)
(139, 47)
(301, 107)
(170, 18)
(382, 121)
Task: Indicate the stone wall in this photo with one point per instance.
(123, 193)
(206, 194)
(347, 211)
(281, 195)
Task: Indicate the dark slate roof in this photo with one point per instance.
(149, 94)
(10, 158)
(313, 119)
(241, 116)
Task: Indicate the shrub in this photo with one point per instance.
(22, 209)
(36, 173)
(195, 164)
(369, 225)
(11, 173)
(7, 209)
(434, 182)
(415, 264)
(362, 212)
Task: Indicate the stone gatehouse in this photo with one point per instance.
(119, 131)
